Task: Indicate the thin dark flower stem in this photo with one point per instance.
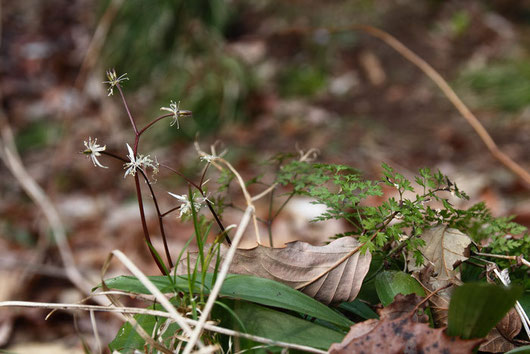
(170, 211)
(160, 221)
(153, 123)
(133, 123)
(144, 224)
(110, 154)
(145, 229)
(204, 174)
(208, 203)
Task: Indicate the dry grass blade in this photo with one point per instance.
(300, 265)
(220, 279)
(154, 290)
(141, 311)
(428, 70)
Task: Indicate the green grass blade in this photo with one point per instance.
(245, 287)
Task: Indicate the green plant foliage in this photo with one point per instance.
(503, 85)
(390, 283)
(475, 308)
(302, 80)
(262, 291)
(343, 190)
(153, 41)
(127, 340)
(280, 326)
(359, 308)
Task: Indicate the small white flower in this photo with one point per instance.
(140, 161)
(114, 80)
(212, 157)
(176, 111)
(185, 207)
(93, 151)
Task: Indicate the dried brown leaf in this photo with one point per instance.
(403, 305)
(444, 248)
(300, 263)
(500, 338)
(401, 335)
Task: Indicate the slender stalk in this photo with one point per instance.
(133, 123)
(145, 229)
(153, 123)
(144, 223)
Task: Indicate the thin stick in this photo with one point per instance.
(220, 279)
(515, 258)
(428, 70)
(154, 290)
(10, 157)
(134, 310)
(96, 332)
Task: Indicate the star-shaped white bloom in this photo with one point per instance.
(138, 162)
(93, 151)
(177, 112)
(185, 207)
(212, 157)
(114, 80)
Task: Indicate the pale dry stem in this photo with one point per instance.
(141, 311)
(220, 279)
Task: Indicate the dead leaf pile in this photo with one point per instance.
(398, 333)
(302, 266)
(444, 250)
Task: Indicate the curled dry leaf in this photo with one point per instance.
(499, 338)
(400, 333)
(303, 266)
(444, 250)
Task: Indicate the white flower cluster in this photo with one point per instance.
(185, 207)
(114, 80)
(177, 112)
(93, 150)
(137, 162)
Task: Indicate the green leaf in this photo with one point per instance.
(359, 308)
(280, 326)
(245, 287)
(476, 307)
(390, 283)
(127, 339)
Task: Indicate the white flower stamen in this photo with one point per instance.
(93, 150)
(114, 80)
(177, 112)
(138, 162)
(185, 207)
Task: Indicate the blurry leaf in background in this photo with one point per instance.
(175, 50)
(503, 85)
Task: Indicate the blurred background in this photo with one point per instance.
(257, 86)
